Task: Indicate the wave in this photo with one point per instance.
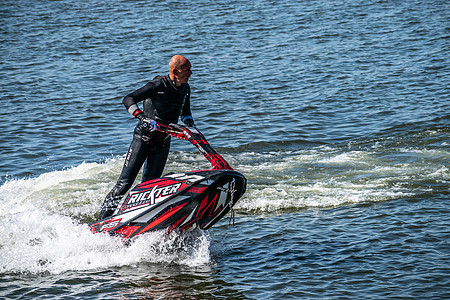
(438, 123)
(281, 176)
(44, 226)
(400, 163)
(43, 220)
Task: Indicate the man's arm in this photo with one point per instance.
(186, 116)
(130, 101)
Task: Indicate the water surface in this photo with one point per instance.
(336, 112)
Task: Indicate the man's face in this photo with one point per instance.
(183, 73)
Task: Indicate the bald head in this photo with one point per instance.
(177, 61)
(179, 69)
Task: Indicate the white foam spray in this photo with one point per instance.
(44, 227)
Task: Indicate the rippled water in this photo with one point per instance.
(336, 111)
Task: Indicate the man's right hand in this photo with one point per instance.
(149, 124)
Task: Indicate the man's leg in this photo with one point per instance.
(156, 160)
(133, 162)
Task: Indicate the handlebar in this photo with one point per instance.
(193, 135)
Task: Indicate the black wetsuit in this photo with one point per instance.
(163, 102)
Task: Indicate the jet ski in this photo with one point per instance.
(178, 201)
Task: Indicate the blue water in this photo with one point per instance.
(337, 112)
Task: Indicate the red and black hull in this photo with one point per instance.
(196, 199)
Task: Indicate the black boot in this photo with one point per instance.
(108, 207)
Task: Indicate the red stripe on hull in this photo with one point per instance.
(127, 230)
(163, 217)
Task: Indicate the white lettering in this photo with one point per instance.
(153, 195)
(165, 190)
(174, 188)
(134, 198)
(110, 225)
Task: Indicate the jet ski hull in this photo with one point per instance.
(183, 201)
